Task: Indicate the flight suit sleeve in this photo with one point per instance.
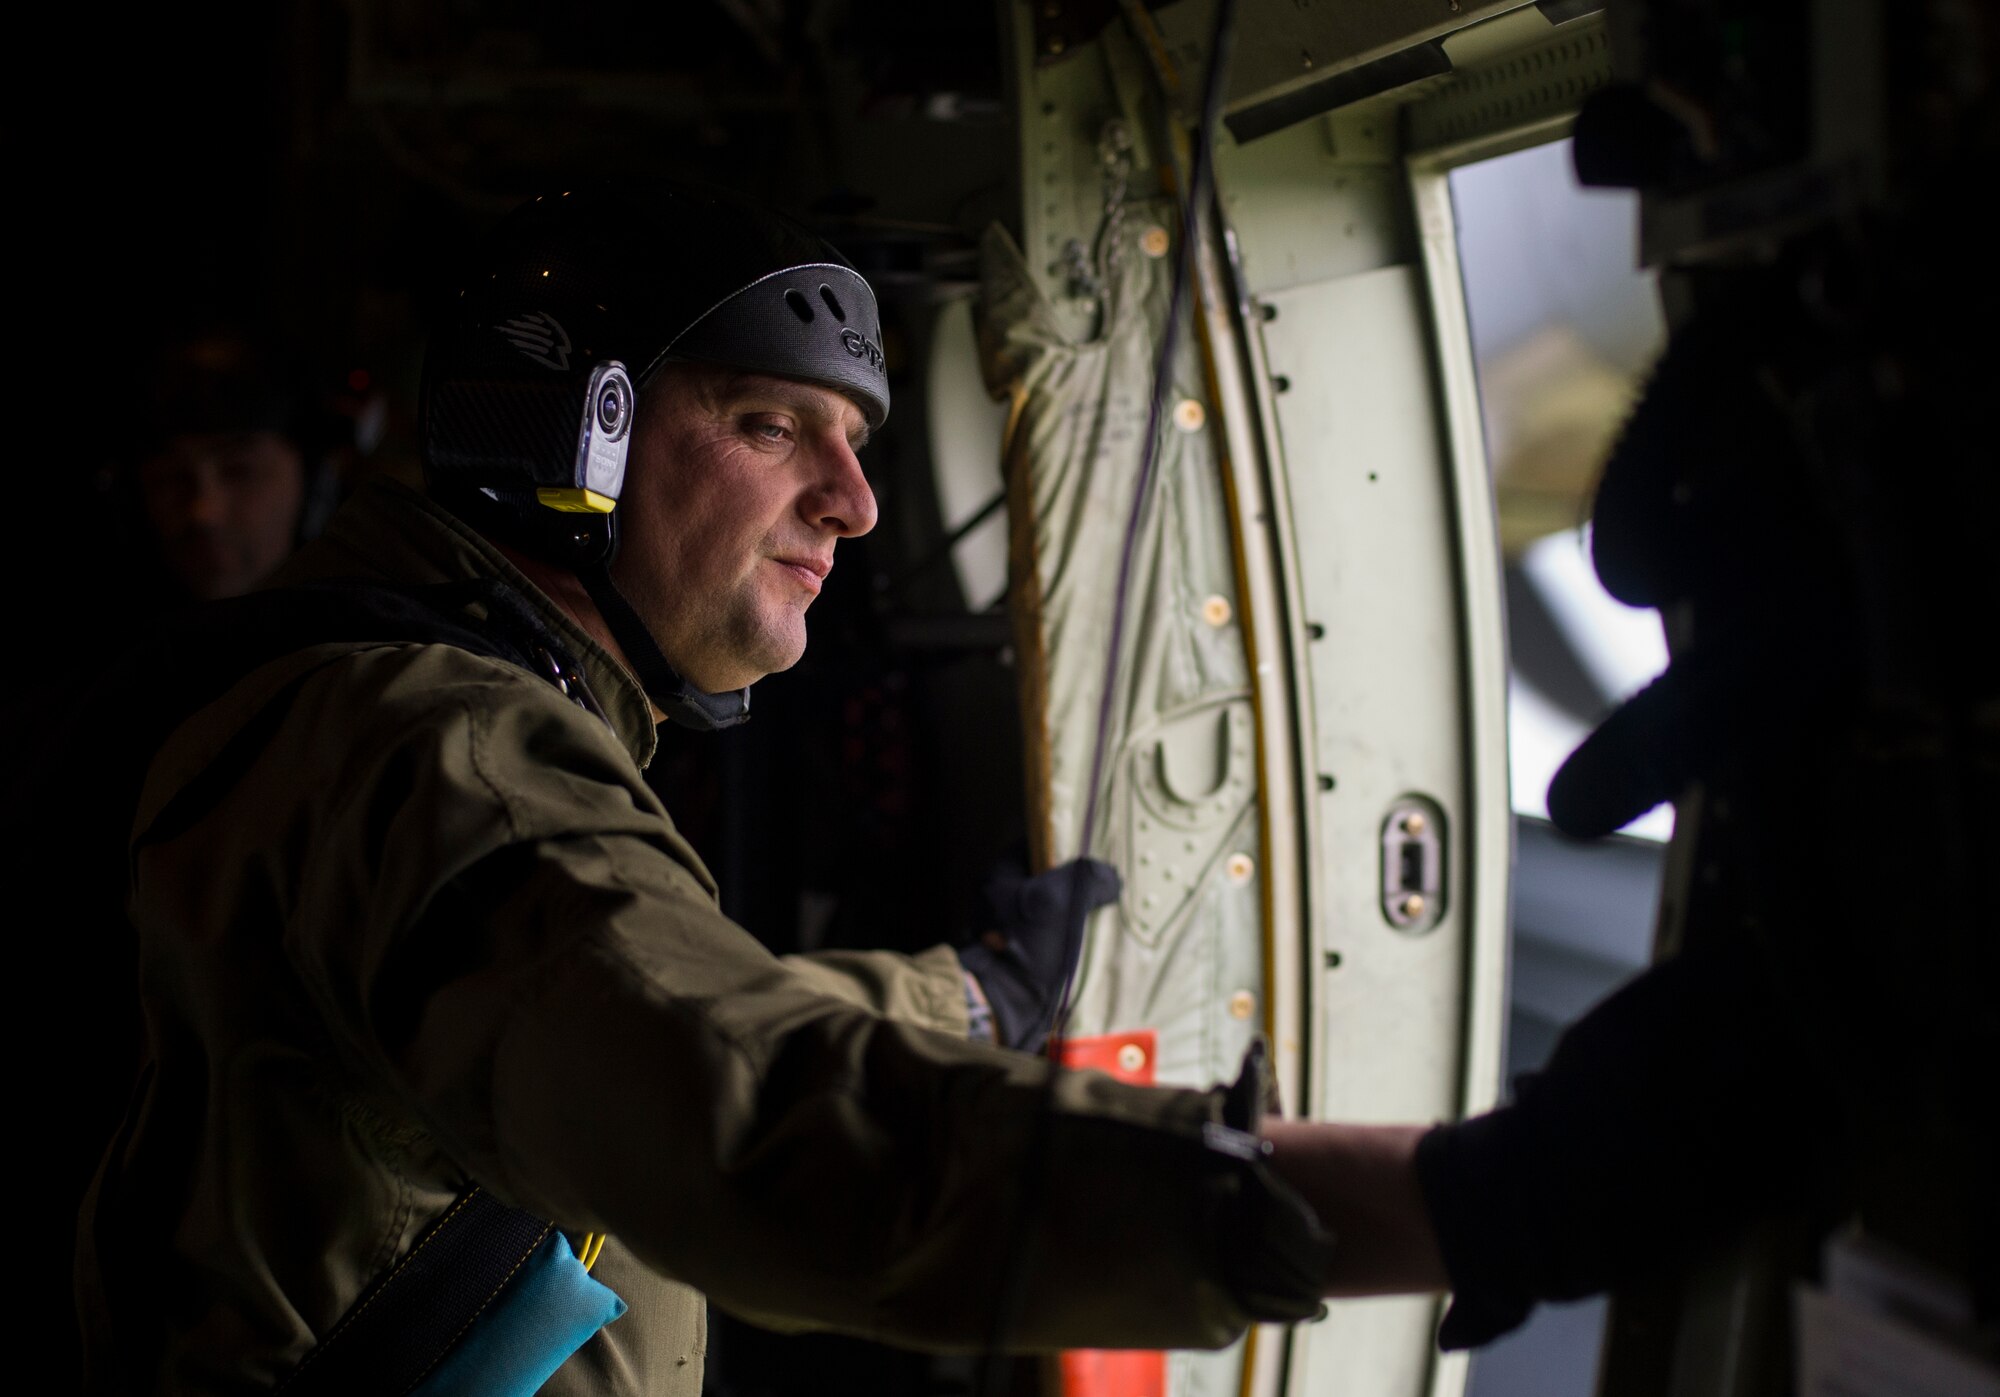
(571, 1017)
(926, 989)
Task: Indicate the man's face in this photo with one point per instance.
(738, 487)
(225, 508)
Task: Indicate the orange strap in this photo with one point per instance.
(1113, 1372)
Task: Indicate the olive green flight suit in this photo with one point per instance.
(441, 931)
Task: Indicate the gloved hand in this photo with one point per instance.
(1704, 502)
(1034, 939)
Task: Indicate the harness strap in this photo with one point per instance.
(405, 1324)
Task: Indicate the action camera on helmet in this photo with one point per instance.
(602, 440)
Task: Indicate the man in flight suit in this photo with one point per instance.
(409, 919)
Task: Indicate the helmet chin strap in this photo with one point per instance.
(681, 701)
(585, 545)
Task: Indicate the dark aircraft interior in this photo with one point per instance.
(1804, 489)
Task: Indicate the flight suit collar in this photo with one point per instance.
(389, 532)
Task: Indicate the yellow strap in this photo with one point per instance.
(592, 1245)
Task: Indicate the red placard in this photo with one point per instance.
(1113, 1372)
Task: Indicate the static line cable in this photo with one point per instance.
(1014, 1276)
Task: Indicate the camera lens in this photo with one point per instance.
(611, 409)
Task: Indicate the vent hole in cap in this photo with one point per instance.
(801, 307)
(832, 304)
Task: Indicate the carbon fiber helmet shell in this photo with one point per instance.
(637, 273)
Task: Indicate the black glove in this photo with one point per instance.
(1705, 501)
(1035, 936)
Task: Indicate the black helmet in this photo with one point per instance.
(576, 298)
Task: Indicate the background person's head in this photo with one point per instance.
(223, 467)
(224, 507)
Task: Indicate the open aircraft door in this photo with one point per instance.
(1267, 679)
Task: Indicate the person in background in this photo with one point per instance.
(231, 475)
